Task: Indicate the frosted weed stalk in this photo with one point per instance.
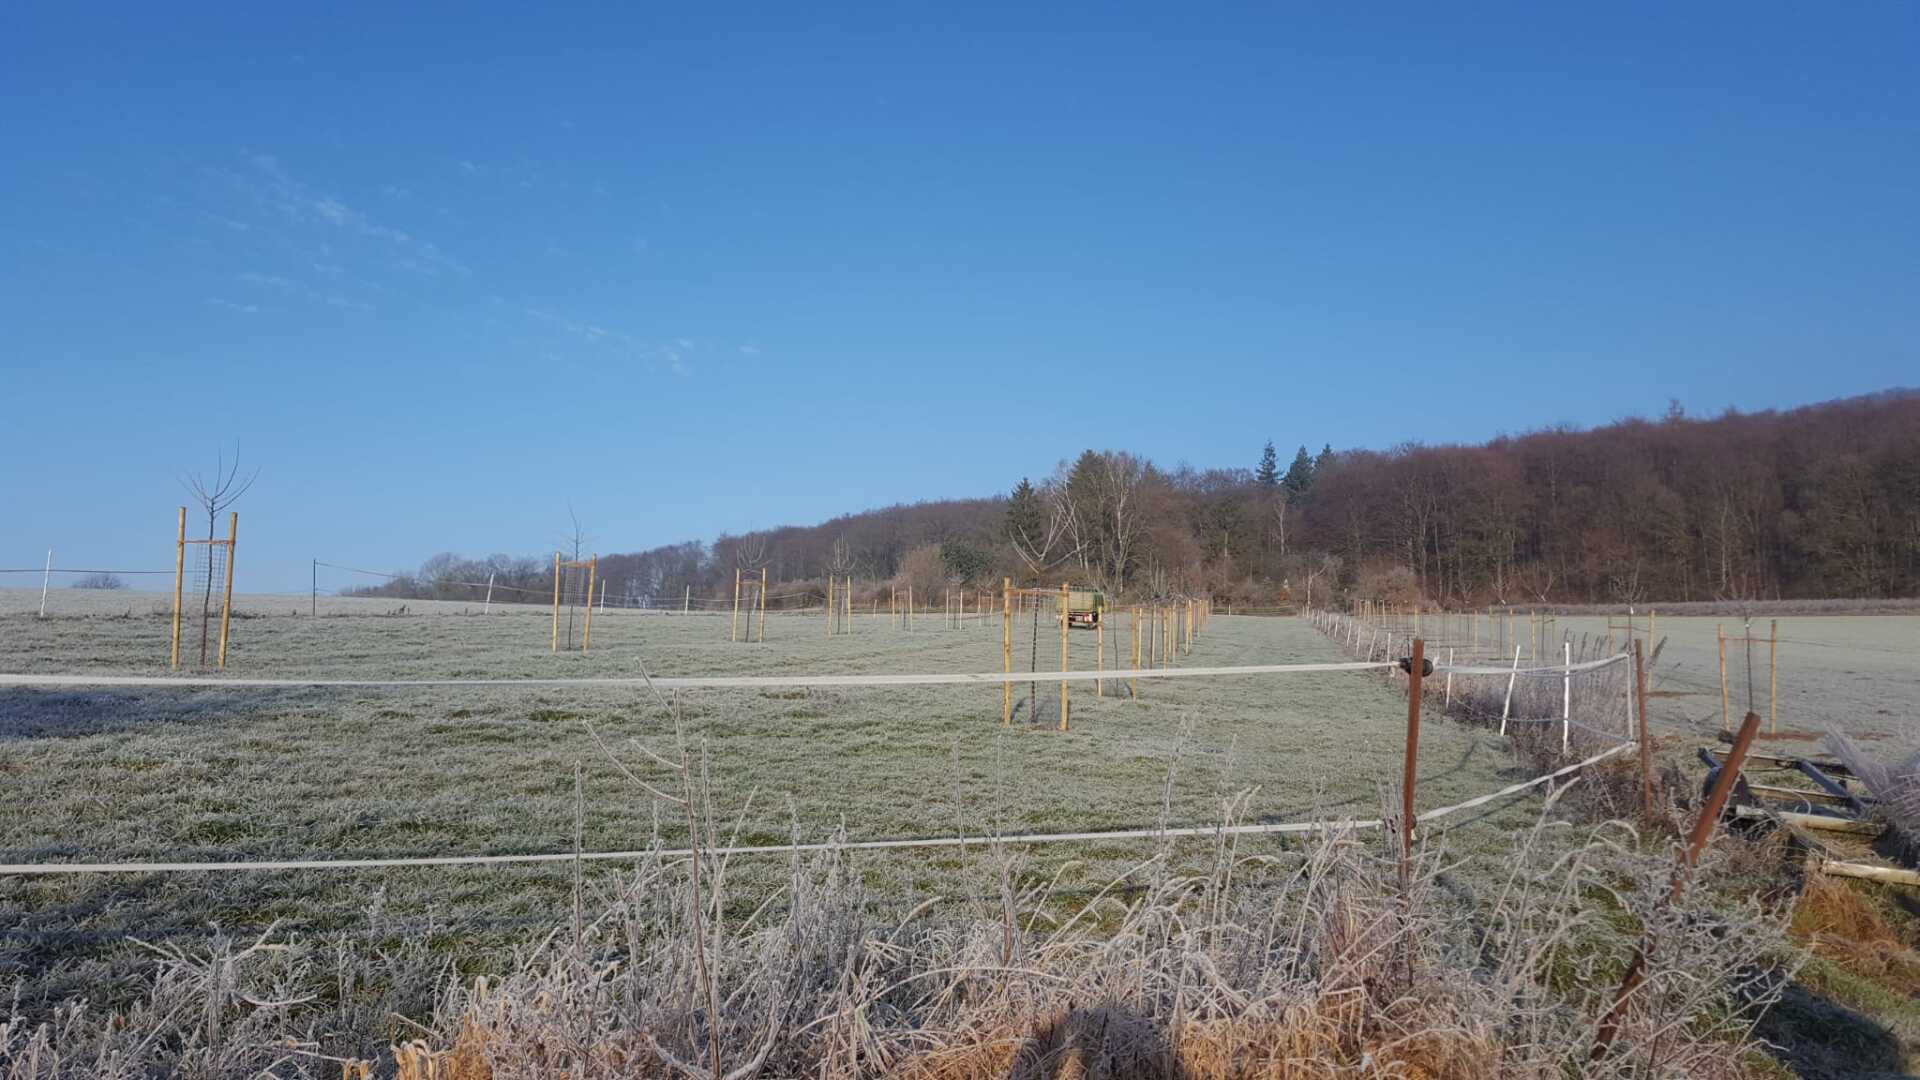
(1300, 960)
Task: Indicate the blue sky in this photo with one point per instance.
(703, 270)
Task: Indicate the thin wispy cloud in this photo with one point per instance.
(591, 333)
(274, 281)
(275, 188)
(672, 355)
(329, 232)
(231, 223)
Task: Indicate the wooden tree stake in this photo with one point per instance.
(1065, 623)
(1640, 733)
(1720, 632)
(179, 572)
(1408, 774)
(556, 602)
(1006, 649)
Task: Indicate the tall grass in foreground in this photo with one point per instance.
(1305, 961)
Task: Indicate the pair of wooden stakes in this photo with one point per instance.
(217, 551)
(1159, 632)
(756, 604)
(560, 567)
(1749, 639)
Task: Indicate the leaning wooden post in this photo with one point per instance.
(1566, 696)
(1006, 649)
(1066, 623)
(1720, 631)
(1416, 666)
(586, 630)
(555, 643)
(733, 632)
(1716, 801)
(179, 572)
(1690, 857)
(830, 611)
(1640, 729)
(1506, 707)
(1449, 699)
(763, 603)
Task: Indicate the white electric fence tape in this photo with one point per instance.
(705, 682)
(783, 849)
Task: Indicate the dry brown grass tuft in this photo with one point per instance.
(1841, 924)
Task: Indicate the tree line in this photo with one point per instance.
(1817, 501)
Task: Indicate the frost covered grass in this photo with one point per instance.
(202, 774)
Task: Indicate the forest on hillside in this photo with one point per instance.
(1820, 501)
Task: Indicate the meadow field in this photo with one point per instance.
(189, 774)
(216, 773)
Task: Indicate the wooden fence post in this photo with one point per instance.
(1690, 857)
(1720, 632)
(1566, 696)
(1773, 677)
(1133, 622)
(1065, 623)
(179, 572)
(1006, 649)
(1415, 670)
(1716, 799)
(226, 608)
(1099, 653)
(733, 632)
(1506, 707)
(556, 602)
(1640, 736)
(586, 630)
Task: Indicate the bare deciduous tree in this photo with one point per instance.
(575, 538)
(840, 560)
(1047, 539)
(751, 553)
(1326, 565)
(216, 492)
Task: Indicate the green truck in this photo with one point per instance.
(1084, 607)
